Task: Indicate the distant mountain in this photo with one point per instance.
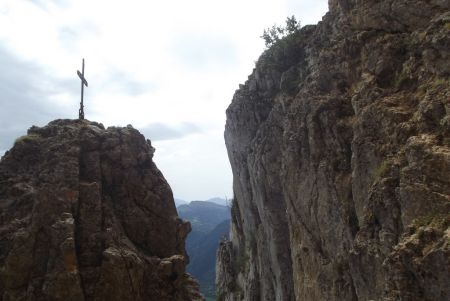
(219, 201)
(179, 202)
(204, 216)
(203, 258)
(210, 221)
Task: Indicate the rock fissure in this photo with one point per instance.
(130, 279)
(78, 247)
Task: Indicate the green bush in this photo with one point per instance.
(241, 262)
(235, 213)
(274, 34)
(283, 50)
(26, 138)
(383, 169)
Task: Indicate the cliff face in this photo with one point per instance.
(340, 148)
(86, 215)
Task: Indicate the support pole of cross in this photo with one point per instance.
(83, 83)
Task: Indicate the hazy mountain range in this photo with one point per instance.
(220, 201)
(210, 222)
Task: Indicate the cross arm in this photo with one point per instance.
(82, 78)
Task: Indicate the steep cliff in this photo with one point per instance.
(86, 215)
(339, 144)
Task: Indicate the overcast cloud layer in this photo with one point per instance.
(169, 68)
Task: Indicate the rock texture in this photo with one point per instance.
(340, 148)
(86, 215)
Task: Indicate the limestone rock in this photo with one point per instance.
(86, 215)
(339, 144)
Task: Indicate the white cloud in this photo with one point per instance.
(159, 131)
(197, 162)
(159, 65)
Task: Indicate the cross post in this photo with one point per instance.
(83, 83)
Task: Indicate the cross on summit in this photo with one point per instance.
(83, 83)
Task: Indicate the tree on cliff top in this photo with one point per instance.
(275, 33)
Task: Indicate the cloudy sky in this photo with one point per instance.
(169, 68)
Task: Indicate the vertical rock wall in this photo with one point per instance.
(86, 215)
(340, 148)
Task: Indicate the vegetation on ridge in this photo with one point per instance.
(274, 34)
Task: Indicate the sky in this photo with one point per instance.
(169, 68)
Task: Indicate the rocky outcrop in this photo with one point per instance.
(86, 215)
(339, 144)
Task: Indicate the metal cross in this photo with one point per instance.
(83, 83)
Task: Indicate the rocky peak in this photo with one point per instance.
(86, 215)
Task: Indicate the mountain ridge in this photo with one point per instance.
(216, 200)
(210, 223)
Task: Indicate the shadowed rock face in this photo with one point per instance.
(86, 215)
(340, 148)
